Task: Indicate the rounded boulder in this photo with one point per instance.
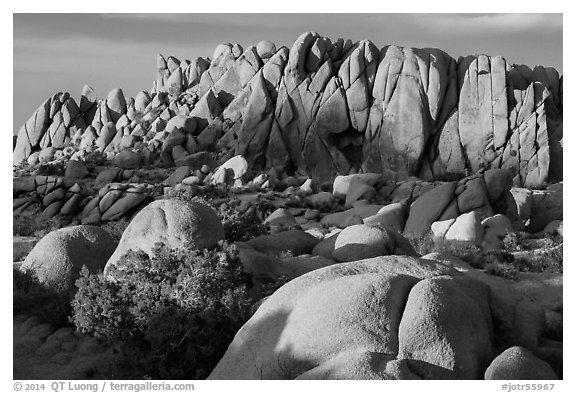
(350, 321)
(265, 49)
(519, 363)
(362, 241)
(171, 222)
(59, 256)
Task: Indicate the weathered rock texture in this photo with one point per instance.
(324, 108)
(55, 195)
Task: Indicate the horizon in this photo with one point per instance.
(64, 52)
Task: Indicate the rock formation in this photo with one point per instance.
(323, 108)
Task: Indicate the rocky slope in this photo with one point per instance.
(320, 109)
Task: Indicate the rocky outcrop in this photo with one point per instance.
(367, 319)
(323, 108)
(53, 124)
(54, 195)
(485, 194)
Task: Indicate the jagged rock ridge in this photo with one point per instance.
(324, 108)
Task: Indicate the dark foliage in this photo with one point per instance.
(177, 311)
(241, 222)
(32, 298)
(36, 225)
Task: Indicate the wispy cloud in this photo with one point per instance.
(473, 24)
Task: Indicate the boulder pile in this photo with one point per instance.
(321, 108)
(331, 166)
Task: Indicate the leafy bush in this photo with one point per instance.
(177, 311)
(32, 298)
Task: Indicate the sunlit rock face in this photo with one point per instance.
(327, 107)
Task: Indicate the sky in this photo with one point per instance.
(63, 52)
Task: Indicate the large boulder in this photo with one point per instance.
(59, 256)
(171, 222)
(383, 318)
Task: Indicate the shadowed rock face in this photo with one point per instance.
(323, 108)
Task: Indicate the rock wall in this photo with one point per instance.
(324, 108)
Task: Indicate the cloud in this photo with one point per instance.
(474, 24)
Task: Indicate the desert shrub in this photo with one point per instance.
(544, 261)
(177, 311)
(537, 255)
(497, 263)
(549, 242)
(116, 228)
(32, 298)
(424, 244)
(512, 242)
(469, 253)
(427, 243)
(240, 225)
(509, 272)
(54, 168)
(267, 288)
(36, 225)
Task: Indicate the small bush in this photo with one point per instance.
(116, 228)
(269, 287)
(32, 298)
(178, 310)
(36, 225)
(502, 270)
(426, 244)
(512, 242)
(54, 168)
(546, 261)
